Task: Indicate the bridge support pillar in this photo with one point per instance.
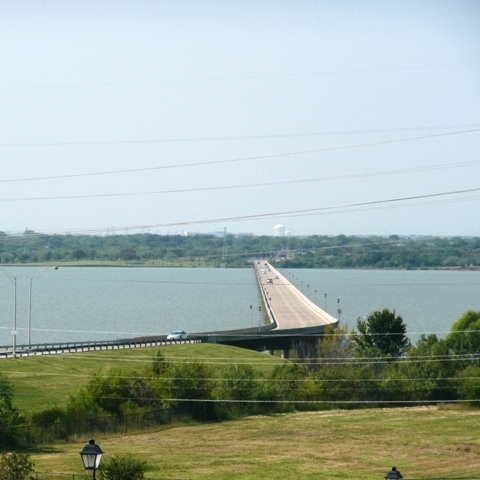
(286, 353)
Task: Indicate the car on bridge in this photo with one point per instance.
(178, 335)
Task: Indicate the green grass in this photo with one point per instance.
(47, 381)
(422, 442)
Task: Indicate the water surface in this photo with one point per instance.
(95, 303)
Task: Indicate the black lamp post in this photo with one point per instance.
(91, 456)
(393, 474)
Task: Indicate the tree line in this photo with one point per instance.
(315, 251)
(374, 366)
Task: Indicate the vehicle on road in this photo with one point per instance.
(178, 335)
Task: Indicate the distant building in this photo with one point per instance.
(278, 231)
(244, 234)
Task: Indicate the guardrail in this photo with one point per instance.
(76, 347)
(266, 302)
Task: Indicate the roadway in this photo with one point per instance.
(288, 308)
(291, 315)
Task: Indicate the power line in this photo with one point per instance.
(258, 216)
(250, 185)
(239, 137)
(233, 160)
(237, 77)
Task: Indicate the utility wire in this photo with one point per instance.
(250, 185)
(238, 77)
(233, 160)
(258, 216)
(240, 137)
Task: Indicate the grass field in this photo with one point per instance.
(47, 381)
(422, 442)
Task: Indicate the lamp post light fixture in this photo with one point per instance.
(13, 279)
(91, 456)
(32, 281)
(393, 474)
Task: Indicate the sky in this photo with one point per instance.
(328, 117)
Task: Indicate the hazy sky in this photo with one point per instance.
(198, 116)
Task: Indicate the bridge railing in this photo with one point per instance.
(74, 347)
(266, 302)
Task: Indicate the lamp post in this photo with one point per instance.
(393, 474)
(339, 310)
(315, 297)
(325, 302)
(259, 317)
(32, 281)
(251, 316)
(13, 279)
(91, 456)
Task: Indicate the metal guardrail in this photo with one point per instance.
(76, 347)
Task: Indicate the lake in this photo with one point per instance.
(97, 303)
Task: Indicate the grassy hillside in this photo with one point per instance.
(47, 381)
(422, 442)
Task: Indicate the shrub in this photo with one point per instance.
(123, 468)
(9, 415)
(15, 466)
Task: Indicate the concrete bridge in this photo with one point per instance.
(289, 316)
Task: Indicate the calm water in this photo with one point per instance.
(86, 303)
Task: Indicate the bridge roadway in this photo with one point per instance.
(288, 307)
(289, 316)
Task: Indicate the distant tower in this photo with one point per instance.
(224, 250)
(278, 231)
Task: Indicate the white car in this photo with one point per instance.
(178, 335)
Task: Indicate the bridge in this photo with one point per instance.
(289, 315)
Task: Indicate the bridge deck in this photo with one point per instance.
(287, 306)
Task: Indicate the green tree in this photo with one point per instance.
(335, 344)
(15, 466)
(78, 254)
(81, 406)
(464, 337)
(128, 254)
(9, 415)
(426, 373)
(112, 390)
(239, 382)
(381, 334)
(190, 386)
(123, 468)
(469, 384)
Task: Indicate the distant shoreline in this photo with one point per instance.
(191, 264)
